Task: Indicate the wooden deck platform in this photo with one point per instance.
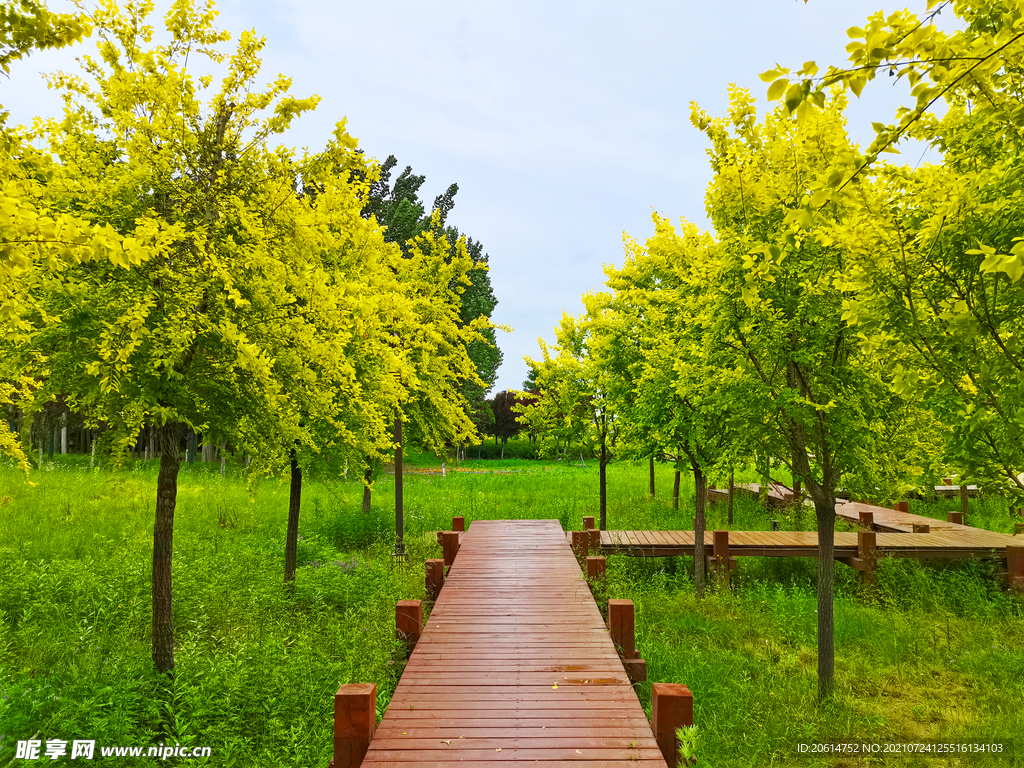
(514, 664)
(885, 519)
(805, 543)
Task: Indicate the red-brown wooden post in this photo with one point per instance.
(621, 627)
(579, 540)
(435, 578)
(955, 517)
(596, 569)
(671, 708)
(355, 720)
(868, 554)
(636, 670)
(1015, 567)
(593, 540)
(720, 550)
(588, 523)
(903, 506)
(867, 519)
(458, 523)
(922, 528)
(450, 545)
(409, 621)
(440, 538)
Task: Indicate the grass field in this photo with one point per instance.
(936, 652)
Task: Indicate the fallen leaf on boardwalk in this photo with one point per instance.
(578, 752)
(446, 741)
(555, 685)
(498, 749)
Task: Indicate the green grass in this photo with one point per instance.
(936, 651)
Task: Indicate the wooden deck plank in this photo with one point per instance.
(515, 663)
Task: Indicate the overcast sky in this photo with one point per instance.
(564, 124)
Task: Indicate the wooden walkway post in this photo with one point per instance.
(458, 523)
(621, 627)
(720, 560)
(593, 540)
(588, 523)
(902, 506)
(580, 540)
(435, 578)
(450, 546)
(868, 555)
(671, 709)
(355, 719)
(1015, 567)
(955, 517)
(867, 520)
(409, 621)
(596, 570)
(922, 528)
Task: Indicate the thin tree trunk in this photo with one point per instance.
(699, 527)
(163, 547)
(603, 479)
(223, 462)
(291, 543)
(826, 514)
(965, 507)
(92, 453)
(732, 492)
(367, 493)
(64, 435)
(399, 507)
(675, 490)
(652, 475)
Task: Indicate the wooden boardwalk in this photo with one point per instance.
(805, 543)
(514, 664)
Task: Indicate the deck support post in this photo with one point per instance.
(596, 570)
(355, 720)
(720, 561)
(435, 578)
(955, 517)
(671, 708)
(450, 546)
(593, 540)
(621, 627)
(458, 523)
(409, 621)
(922, 528)
(579, 540)
(1015, 567)
(588, 523)
(867, 520)
(902, 506)
(868, 555)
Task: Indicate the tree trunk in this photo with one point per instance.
(965, 507)
(291, 542)
(367, 493)
(699, 527)
(502, 450)
(399, 511)
(163, 547)
(675, 490)
(192, 447)
(603, 480)
(826, 514)
(652, 475)
(732, 492)
(64, 435)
